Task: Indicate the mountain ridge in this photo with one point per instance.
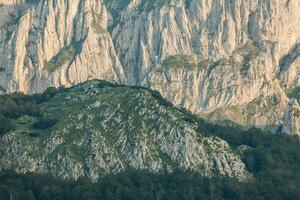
(97, 128)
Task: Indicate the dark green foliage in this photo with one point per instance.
(16, 105)
(274, 159)
(44, 123)
(294, 93)
(6, 125)
(32, 1)
(141, 185)
(103, 84)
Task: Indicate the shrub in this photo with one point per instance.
(44, 123)
(6, 125)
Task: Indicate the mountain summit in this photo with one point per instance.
(97, 128)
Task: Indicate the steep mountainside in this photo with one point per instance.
(221, 59)
(44, 43)
(97, 128)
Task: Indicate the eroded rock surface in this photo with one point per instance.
(104, 129)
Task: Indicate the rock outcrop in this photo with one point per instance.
(291, 123)
(222, 59)
(102, 128)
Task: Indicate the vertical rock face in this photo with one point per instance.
(221, 59)
(57, 43)
(213, 29)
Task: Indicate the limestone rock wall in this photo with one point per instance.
(57, 43)
(240, 56)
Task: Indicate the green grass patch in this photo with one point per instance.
(97, 24)
(185, 61)
(66, 55)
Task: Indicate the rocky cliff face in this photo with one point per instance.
(102, 128)
(56, 43)
(222, 59)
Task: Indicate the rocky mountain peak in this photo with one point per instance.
(104, 128)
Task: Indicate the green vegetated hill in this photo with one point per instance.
(99, 128)
(137, 146)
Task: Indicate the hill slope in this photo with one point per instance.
(96, 128)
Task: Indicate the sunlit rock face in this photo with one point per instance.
(224, 60)
(55, 43)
